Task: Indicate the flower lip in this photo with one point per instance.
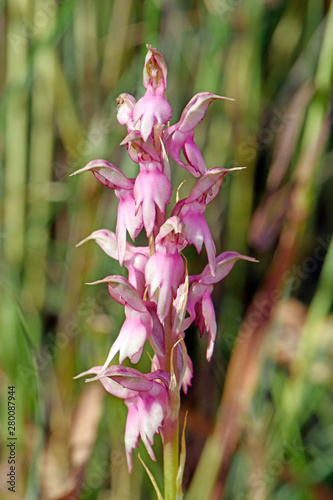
(151, 109)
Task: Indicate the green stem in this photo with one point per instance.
(171, 425)
(170, 459)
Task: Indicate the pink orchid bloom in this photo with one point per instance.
(129, 219)
(201, 309)
(146, 397)
(182, 133)
(135, 258)
(129, 215)
(199, 303)
(140, 151)
(151, 109)
(151, 188)
(154, 70)
(136, 329)
(191, 211)
(165, 269)
(138, 324)
(125, 106)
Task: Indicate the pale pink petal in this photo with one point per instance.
(136, 329)
(224, 263)
(109, 175)
(125, 106)
(175, 145)
(151, 188)
(154, 70)
(123, 292)
(132, 431)
(128, 219)
(152, 108)
(186, 382)
(166, 272)
(194, 156)
(197, 231)
(208, 313)
(195, 110)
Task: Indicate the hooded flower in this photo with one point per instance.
(153, 108)
(138, 324)
(129, 216)
(182, 133)
(191, 211)
(146, 397)
(125, 106)
(165, 269)
(199, 303)
(152, 188)
(135, 258)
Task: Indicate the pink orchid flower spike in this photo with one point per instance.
(160, 299)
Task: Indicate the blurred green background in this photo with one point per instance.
(261, 413)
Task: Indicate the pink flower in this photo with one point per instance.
(191, 211)
(140, 151)
(136, 329)
(138, 324)
(125, 106)
(201, 309)
(182, 133)
(152, 188)
(199, 303)
(135, 258)
(154, 70)
(146, 397)
(151, 109)
(129, 216)
(165, 269)
(145, 418)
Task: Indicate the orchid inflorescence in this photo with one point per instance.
(160, 298)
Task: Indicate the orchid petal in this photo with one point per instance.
(224, 263)
(155, 69)
(209, 184)
(106, 173)
(195, 110)
(123, 292)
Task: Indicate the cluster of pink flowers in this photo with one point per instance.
(160, 298)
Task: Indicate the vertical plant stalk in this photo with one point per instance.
(170, 458)
(171, 423)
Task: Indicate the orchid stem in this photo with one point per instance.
(171, 424)
(170, 458)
